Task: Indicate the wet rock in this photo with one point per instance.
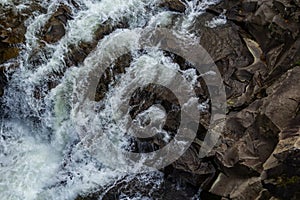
(54, 29)
(130, 186)
(12, 36)
(118, 67)
(173, 5)
(169, 188)
(7, 52)
(77, 54)
(13, 29)
(12, 32)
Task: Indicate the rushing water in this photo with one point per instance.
(41, 156)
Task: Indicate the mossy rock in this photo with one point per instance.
(286, 181)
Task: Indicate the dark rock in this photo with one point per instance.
(173, 5)
(284, 96)
(271, 23)
(54, 29)
(12, 32)
(118, 67)
(13, 29)
(12, 36)
(202, 173)
(235, 187)
(2, 80)
(251, 140)
(264, 195)
(131, 186)
(281, 174)
(237, 57)
(247, 146)
(288, 59)
(7, 52)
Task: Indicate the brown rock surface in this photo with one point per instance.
(173, 5)
(54, 29)
(281, 174)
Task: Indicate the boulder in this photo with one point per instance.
(283, 95)
(54, 29)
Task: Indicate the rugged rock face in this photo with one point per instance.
(281, 170)
(267, 108)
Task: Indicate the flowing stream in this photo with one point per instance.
(45, 148)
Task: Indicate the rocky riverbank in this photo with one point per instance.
(257, 52)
